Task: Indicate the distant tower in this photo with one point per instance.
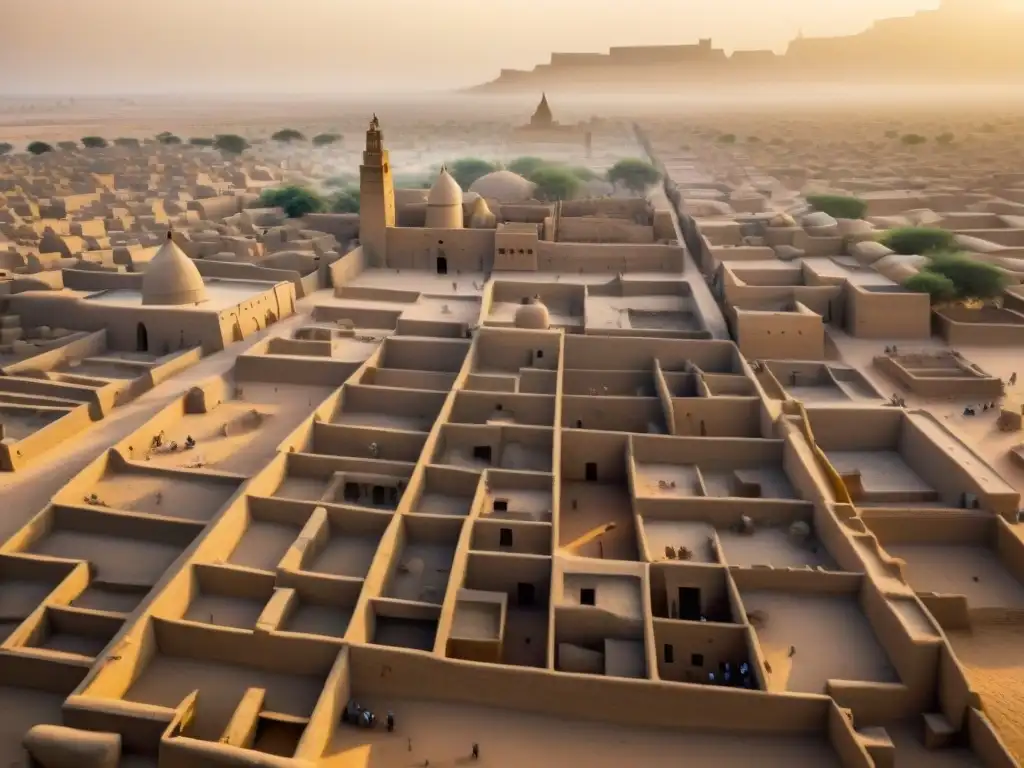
(542, 118)
(376, 197)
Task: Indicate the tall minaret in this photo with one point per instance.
(376, 197)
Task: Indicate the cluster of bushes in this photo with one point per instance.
(298, 201)
(839, 206)
(949, 274)
(556, 181)
(956, 277)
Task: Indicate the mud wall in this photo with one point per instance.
(887, 314)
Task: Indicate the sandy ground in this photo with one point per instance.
(444, 735)
(974, 572)
(993, 658)
(833, 633)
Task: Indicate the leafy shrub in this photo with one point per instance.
(468, 169)
(634, 174)
(39, 148)
(294, 201)
(345, 201)
(67, 146)
(583, 173)
(94, 142)
(324, 139)
(839, 206)
(5, 148)
(939, 287)
(910, 241)
(286, 135)
(230, 143)
(526, 166)
(973, 280)
(555, 183)
(168, 138)
(913, 139)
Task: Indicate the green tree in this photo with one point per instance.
(345, 201)
(124, 141)
(526, 166)
(939, 287)
(288, 135)
(168, 138)
(94, 142)
(913, 139)
(230, 144)
(555, 183)
(468, 169)
(324, 139)
(973, 280)
(912, 241)
(5, 148)
(39, 148)
(67, 146)
(839, 206)
(945, 138)
(583, 173)
(294, 201)
(634, 174)
(201, 141)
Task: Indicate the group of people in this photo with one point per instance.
(741, 677)
(159, 440)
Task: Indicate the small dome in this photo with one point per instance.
(533, 315)
(446, 190)
(504, 187)
(171, 278)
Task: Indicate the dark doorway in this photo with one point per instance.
(378, 495)
(351, 492)
(501, 505)
(442, 265)
(669, 653)
(591, 472)
(588, 596)
(505, 537)
(141, 338)
(482, 453)
(526, 594)
(689, 603)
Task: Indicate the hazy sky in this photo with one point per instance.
(320, 46)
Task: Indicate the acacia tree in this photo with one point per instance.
(468, 169)
(555, 184)
(973, 280)
(67, 146)
(527, 166)
(345, 201)
(39, 148)
(230, 144)
(168, 138)
(634, 174)
(293, 200)
(94, 142)
(288, 135)
(5, 148)
(325, 139)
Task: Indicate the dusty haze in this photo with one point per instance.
(345, 46)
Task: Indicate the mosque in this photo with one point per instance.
(167, 308)
(498, 225)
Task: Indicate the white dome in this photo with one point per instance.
(504, 187)
(532, 314)
(446, 191)
(171, 278)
